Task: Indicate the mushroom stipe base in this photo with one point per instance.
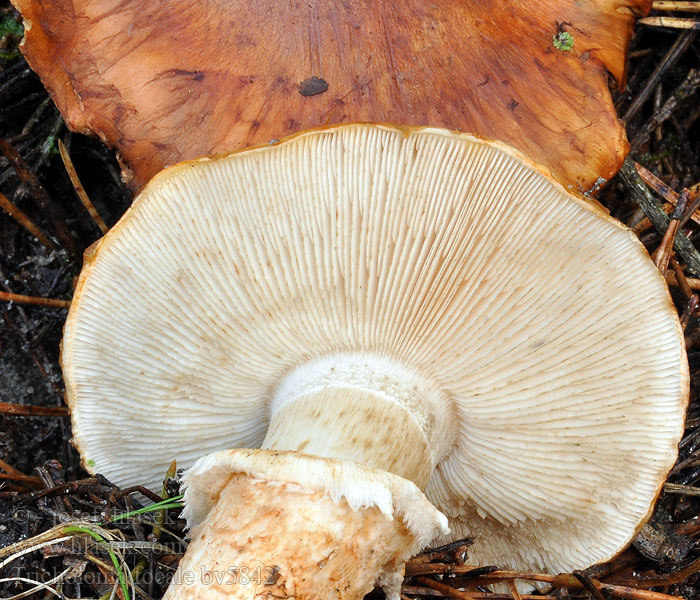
(287, 525)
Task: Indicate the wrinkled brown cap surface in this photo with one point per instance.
(168, 81)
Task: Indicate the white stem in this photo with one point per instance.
(364, 408)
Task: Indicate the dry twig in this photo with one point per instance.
(652, 208)
(34, 300)
(53, 214)
(23, 410)
(676, 5)
(677, 50)
(686, 89)
(79, 189)
(25, 222)
(672, 22)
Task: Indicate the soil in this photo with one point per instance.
(39, 447)
(29, 336)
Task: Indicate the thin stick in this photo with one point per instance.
(685, 89)
(423, 591)
(589, 584)
(91, 485)
(570, 581)
(155, 498)
(668, 194)
(79, 189)
(16, 475)
(640, 53)
(679, 48)
(514, 590)
(415, 567)
(671, 22)
(690, 310)
(36, 117)
(693, 282)
(24, 410)
(10, 469)
(25, 222)
(662, 256)
(28, 479)
(445, 589)
(681, 279)
(685, 490)
(52, 212)
(34, 300)
(693, 206)
(38, 585)
(652, 208)
(665, 249)
(674, 5)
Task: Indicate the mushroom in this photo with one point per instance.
(169, 82)
(403, 321)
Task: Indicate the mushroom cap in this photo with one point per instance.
(542, 320)
(205, 76)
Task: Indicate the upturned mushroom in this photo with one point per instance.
(166, 82)
(375, 333)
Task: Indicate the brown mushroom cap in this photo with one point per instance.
(203, 76)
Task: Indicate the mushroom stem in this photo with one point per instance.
(285, 524)
(267, 535)
(365, 408)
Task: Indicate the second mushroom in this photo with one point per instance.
(423, 336)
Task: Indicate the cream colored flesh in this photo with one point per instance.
(268, 539)
(286, 525)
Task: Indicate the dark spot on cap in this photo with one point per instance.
(194, 75)
(513, 104)
(312, 86)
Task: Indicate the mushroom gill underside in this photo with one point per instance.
(406, 322)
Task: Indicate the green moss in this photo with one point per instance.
(50, 145)
(9, 26)
(563, 41)
(11, 32)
